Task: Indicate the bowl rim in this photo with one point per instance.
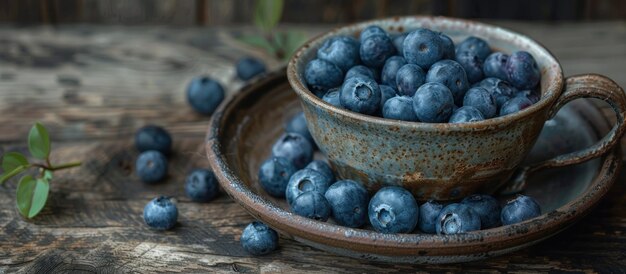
(552, 91)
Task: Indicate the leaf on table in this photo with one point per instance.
(258, 41)
(39, 141)
(13, 160)
(47, 175)
(293, 40)
(9, 174)
(32, 195)
(267, 13)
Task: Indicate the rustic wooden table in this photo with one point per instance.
(94, 86)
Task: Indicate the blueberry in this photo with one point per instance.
(295, 147)
(495, 65)
(360, 94)
(398, 42)
(515, 104)
(409, 78)
(502, 90)
(322, 167)
(531, 95)
(393, 210)
(522, 70)
(204, 95)
(305, 180)
(332, 97)
(472, 65)
(153, 138)
(423, 47)
(457, 218)
(342, 51)
(452, 75)
(375, 50)
(360, 71)
(321, 75)
(466, 114)
(371, 31)
(348, 202)
(486, 207)
(311, 204)
(151, 166)
(297, 124)
(392, 65)
(520, 209)
(386, 93)
(160, 213)
(259, 239)
(274, 175)
(433, 103)
(475, 45)
(448, 46)
(248, 67)
(400, 108)
(201, 185)
(428, 216)
(483, 100)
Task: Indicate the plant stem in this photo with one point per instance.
(59, 167)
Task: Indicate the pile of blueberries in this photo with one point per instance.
(421, 76)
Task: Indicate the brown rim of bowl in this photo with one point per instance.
(547, 100)
(395, 244)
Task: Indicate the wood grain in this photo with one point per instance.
(94, 86)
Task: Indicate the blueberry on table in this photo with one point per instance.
(520, 209)
(522, 70)
(160, 213)
(531, 95)
(398, 41)
(204, 95)
(423, 47)
(153, 138)
(486, 207)
(375, 50)
(433, 103)
(409, 78)
(306, 180)
(514, 105)
(348, 201)
(372, 30)
(259, 239)
(483, 100)
(428, 216)
(151, 166)
(475, 45)
(466, 114)
(295, 147)
(201, 185)
(472, 65)
(448, 46)
(322, 167)
(502, 90)
(360, 94)
(321, 75)
(360, 70)
(332, 97)
(393, 210)
(400, 108)
(297, 124)
(495, 65)
(274, 175)
(452, 75)
(248, 67)
(343, 51)
(390, 69)
(457, 218)
(311, 204)
(386, 93)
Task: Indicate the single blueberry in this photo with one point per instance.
(153, 138)
(452, 75)
(433, 103)
(360, 71)
(486, 207)
(531, 95)
(313, 205)
(466, 114)
(322, 167)
(514, 105)
(248, 67)
(386, 93)
(428, 216)
(204, 95)
(297, 124)
(393, 210)
(448, 46)
(522, 70)
(495, 65)
(520, 209)
(483, 100)
(151, 166)
(160, 213)
(201, 185)
(423, 47)
(348, 201)
(392, 65)
(372, 30)
(457, 218)
(409, 78)
(502, 90)
(375, 50)
(472, 65)
(475, 45)
(332, 97)
(305, 180)
(274, 175)
(360, 94)
(295, 147)
(259, 239)
(400, 108)
(321, 75)
(342, 51)
(398, 42)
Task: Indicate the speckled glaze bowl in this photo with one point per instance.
(448, 161)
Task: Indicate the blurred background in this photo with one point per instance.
(234, 12)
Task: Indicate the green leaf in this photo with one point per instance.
(47, 175)
(258, 41)
(293, 41)
(31, 195)
(12, 160)
(8, 175)
(267, 13)
(39, 141)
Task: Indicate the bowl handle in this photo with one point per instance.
(580, 86)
